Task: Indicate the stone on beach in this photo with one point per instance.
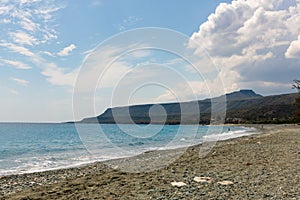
(202, 179)
(178, 184)
(225, 182)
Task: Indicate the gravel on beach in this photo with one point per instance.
(261, 166)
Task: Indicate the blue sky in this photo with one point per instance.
(43, 44)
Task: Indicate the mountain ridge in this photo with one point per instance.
(243, 106)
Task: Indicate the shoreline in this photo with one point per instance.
(80, 164)
(101, 179)
(92, 161)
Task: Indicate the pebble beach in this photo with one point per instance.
(260, 166)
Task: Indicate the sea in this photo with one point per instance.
(34, 147)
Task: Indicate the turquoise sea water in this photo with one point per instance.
(38, 147)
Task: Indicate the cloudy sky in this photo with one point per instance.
(45, 45)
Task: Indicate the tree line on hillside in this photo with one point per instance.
(296, 85)
(242, 106)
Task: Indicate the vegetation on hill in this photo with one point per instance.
(244, 106)
(296, 85)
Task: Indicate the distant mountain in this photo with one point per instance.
(242, 95)
(244, 106)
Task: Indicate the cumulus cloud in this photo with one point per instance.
(20, 81)
(67, 50)
(294, 49)
(250, 41)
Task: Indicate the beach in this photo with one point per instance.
(264, 165)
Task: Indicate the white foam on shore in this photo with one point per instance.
(185, 143)
(44, 164)
(54, 162)
(230, 134)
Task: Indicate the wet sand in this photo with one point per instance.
(262, 166)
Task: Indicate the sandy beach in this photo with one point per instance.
(261, 166)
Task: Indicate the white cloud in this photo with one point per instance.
(57, 76)
(48, 53)
(47, 13)
(96, 3)
(97, 67)
(140, 53)
(17, 49)
(67, 50)
(15, 92)
(20, 81)
(131, 20)
(128, 22)
(294, 49)
(250, 40)
(35, 17)
(5, 21)
(29, 25)
(33, 23)
(22, 38)
(186, 91)
(15, 64)
(5, 9)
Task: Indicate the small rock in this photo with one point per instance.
(115, 167)
(178, 184)
(202, 179)
(225, 182)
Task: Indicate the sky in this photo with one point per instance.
(51, 51)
